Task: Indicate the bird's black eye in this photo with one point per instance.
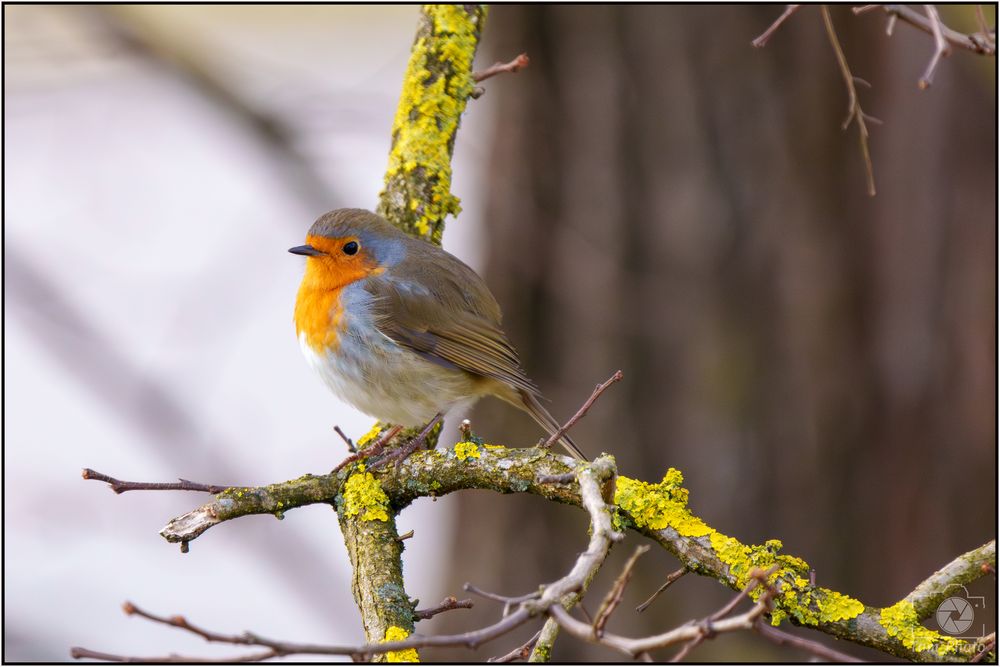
(351, 248)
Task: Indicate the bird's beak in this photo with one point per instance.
(306, 250)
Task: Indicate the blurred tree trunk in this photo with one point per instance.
(669, 201)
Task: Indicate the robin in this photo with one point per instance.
(401, 329)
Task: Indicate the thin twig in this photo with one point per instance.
(514, 65)
(782, 638)
(977, 43)
(854, 111)
(614, 596)
(941, 47)
(890, 25)
(984, 28)
(80, 653)
(671, 578)
(350, 443)
(449, 603)
(766, 35)
(521, 652)
(988, 645)
(685, 633)
(120, 486)
(707, 625)
(554, 438)
(508, 602)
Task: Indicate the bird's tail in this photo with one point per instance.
(531, 405)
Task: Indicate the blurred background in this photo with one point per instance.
(650, 194)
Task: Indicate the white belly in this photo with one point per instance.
(389, 382)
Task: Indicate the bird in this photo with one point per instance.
(403, 330)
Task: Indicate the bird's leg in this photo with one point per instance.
(401, 452)
(373, 450)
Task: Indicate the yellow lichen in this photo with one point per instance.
(436, 86)
(657, 506)
(466, 450)
(363, 496)
(834, 606)
(663, 505)
(396, 634)
(900, 620)
(371, 435)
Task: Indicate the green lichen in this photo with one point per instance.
(436, 86)
(900, 620)
(396, 634)
(364, 497)
(466, 450)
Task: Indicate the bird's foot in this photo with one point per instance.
(399, 454)
(373, 450)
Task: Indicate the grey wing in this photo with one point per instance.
(453, 321)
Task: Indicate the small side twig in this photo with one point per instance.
(671, 578)
(854, 111)
(614, 596)
(941, 47)
(761, 40)
(554, 438)
(521, 652)
(343, 436)
(449, 603)
(782, 638)
(508, 602)
(120, 486)
(514, 65)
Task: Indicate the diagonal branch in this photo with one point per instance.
(854, 111)
(763, 38)
(554, 438)
(941, 47)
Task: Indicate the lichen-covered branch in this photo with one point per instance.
(660, 511)
(438, 82)
(968, 567)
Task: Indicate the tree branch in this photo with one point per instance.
(854, 111)
(554, 438)
(437, 84)
(977, 43)
(515, 65)
(968, 567)
(761, 40)
(119, 486)
(659, 511)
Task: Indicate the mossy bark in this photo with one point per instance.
(438, 81)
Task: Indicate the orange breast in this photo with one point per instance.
(317, 308)
(317, 315)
